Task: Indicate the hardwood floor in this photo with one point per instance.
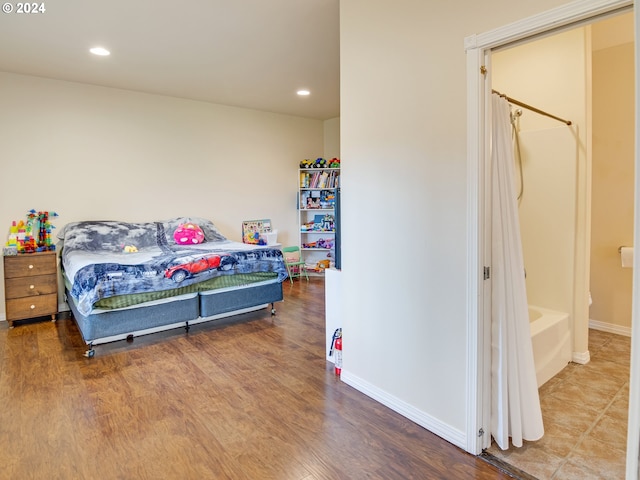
(251, 398)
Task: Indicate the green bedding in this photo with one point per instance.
(224, 281)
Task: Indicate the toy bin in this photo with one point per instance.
(271, 237)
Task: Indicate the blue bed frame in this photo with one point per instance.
(179, 312)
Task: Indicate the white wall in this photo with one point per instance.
(91, 152)
(332, 138)
(403, 137)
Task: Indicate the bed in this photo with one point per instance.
(128, 279)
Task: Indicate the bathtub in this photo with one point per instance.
(551, 341)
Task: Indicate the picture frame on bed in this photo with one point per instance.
(253, 229)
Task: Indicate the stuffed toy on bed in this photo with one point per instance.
(188, 234)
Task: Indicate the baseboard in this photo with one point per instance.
(447, 432)
(581, 357)
(610, 328)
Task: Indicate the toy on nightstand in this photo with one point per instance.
(11, 247)
(32, 236)
(38, 224)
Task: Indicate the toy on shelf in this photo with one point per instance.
(320, 243)
(31, 236)
(323, 264)
(320, 163)
(321, 223)
(327, 224)
(327, 199)
(306, 163)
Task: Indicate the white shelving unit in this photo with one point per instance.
(316, 213)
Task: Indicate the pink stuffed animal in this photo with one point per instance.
(188, 234)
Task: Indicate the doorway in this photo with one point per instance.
(479, 50)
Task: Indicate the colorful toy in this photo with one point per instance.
(253, 237)
(322, 243)
(34, 235)
(188, 234)
(322, 264)
(306, 163)
(320, 163)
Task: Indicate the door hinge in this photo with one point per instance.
(487, 273)
(481, 432)
(483, 70)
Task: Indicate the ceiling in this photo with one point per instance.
(245, 53)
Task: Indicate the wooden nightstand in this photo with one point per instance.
(30, 286)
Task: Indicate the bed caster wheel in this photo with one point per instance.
(90, 353)
(273, 312)
(129, 338)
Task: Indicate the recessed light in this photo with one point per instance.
(303, 93)
(103, 52)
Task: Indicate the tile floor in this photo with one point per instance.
(584, 410)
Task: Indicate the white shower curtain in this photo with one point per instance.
(515, 404)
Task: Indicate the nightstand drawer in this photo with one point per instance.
(30, 307)
(29, 286)
(28, 265)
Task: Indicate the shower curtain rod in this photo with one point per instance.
(529, 107)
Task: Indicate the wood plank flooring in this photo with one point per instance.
(251, 398)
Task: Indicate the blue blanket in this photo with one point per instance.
(94, 259)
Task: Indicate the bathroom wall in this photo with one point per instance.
(550, 74)
(548, 215)
(613, 170)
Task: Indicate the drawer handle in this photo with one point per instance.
(32, 307)
(32, 287)
(30, 267)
